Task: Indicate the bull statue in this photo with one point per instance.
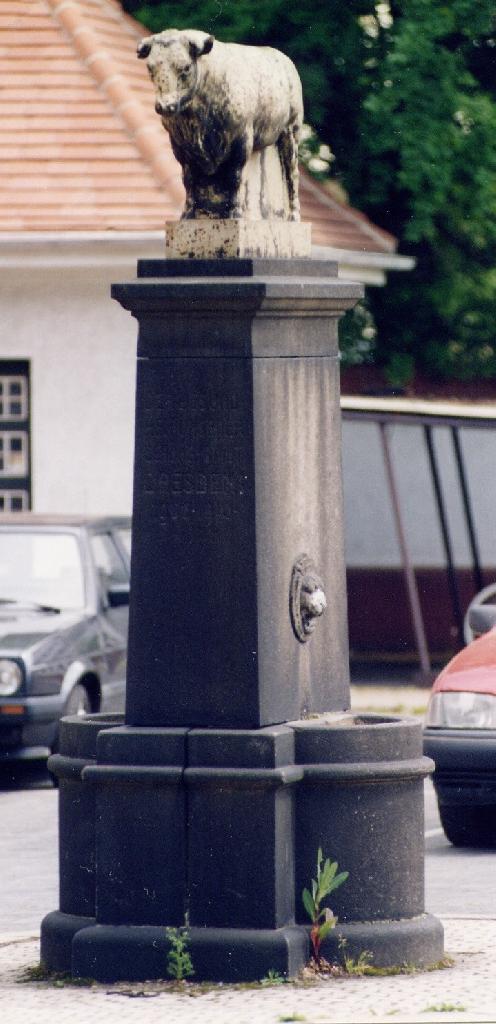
(221, 102)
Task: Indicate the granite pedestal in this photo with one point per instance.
(239, 755)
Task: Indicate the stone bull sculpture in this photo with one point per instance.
(220, 102)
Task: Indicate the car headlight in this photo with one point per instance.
(10, 677)
(461, 710)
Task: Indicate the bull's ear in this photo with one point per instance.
(199, 43)
(209, 42)
(144, 47)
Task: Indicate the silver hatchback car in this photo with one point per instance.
(64, 602)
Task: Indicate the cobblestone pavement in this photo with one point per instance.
(464, 992)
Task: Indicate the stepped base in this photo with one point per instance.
(111, 953)
(222, 827)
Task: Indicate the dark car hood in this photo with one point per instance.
(22, 629)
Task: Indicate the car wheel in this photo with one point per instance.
(79, 701)
(469, 826)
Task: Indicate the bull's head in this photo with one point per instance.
(172, 61)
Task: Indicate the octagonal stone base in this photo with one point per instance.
(221, 828)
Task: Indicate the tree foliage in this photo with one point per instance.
(404, 92)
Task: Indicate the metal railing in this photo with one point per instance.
(389, 412)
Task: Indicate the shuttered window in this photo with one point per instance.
(15, 459)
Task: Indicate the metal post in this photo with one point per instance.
(409, 574)
(467, 507)
(443, 522)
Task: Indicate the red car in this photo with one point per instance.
(460, 735)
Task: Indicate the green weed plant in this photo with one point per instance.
(179, 963)
(322, 918)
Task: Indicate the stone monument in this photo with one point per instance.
(238, 756)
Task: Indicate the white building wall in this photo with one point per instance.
(82, 351)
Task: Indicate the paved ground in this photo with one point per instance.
(22, 904)
(464, 992)
(398, 700)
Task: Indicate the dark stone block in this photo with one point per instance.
(271, 747)
(57, 933)
(78, 742)
(140, 853)
(194, 555)
(240, 865)
(78, 736)
(119, 953)
(416, 942)
(366, 814)
(140, 827)
(76, 849)
(146, 746)
(111, 954)
(359, 738)
(201, 268)
(237, 473)
(375, 832)
(247, 955)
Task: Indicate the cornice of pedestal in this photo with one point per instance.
(274, 296)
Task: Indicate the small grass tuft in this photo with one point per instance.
(273, 978)
(359, 966)
(39, 972)
(445, 1008)
(363, 966)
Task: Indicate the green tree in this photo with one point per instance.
(431, 179)
(405, 94)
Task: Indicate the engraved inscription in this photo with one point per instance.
(195, 455)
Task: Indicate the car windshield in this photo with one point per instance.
(41, 569)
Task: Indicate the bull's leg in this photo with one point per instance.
(189, 206)
(201, 194)
(287, 145)
(217, 193)
(189, 185)
(232, 173)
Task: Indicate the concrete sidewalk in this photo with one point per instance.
(393, 700)
(464, 992)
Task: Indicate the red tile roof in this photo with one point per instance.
(339, 225)
(81, 148)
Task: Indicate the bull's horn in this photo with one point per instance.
(199, 43)
(144, 47)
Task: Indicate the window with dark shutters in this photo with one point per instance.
(15, 457)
